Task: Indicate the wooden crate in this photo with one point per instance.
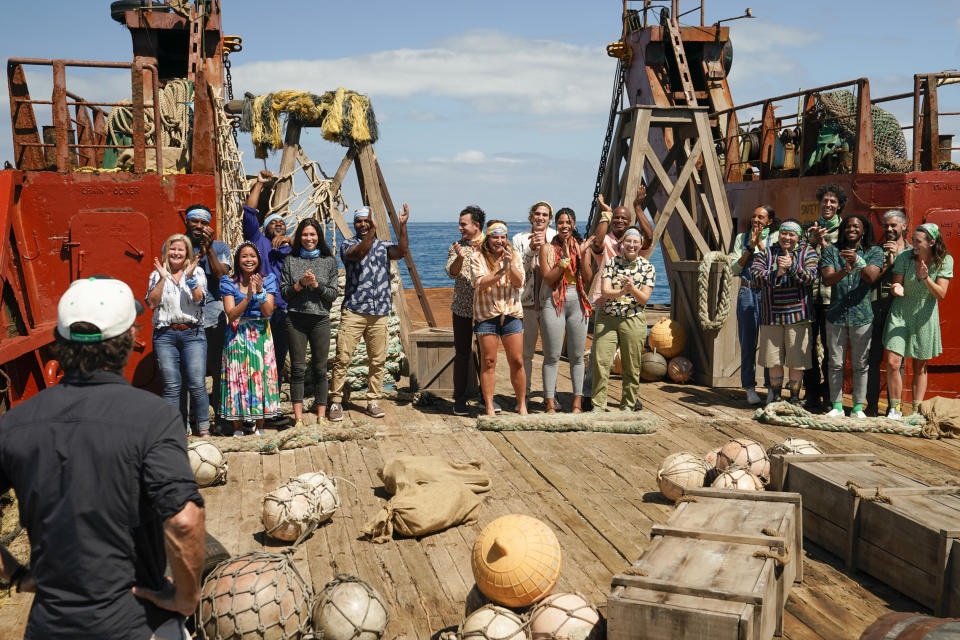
(893, 527)
(702, 579)
(433, 367)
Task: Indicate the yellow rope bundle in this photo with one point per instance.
(345, 117)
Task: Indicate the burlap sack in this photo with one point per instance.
(943, 413)
(410, 471)
(423, 509)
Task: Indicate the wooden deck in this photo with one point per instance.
(598, 492)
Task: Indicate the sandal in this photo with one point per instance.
(205, 433)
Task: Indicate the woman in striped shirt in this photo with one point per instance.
(785, 272)
(497, 276)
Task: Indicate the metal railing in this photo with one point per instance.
(28, 146)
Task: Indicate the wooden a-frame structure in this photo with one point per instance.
(671, 150)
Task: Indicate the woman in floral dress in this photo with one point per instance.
(920, 279)
(249, 370)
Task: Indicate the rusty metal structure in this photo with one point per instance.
(767, 160)
(61, 218)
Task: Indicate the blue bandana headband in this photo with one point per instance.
(198, 213)
(791, 226)
(932, 230)
(498, 229)
(362, 212)
(271, 218)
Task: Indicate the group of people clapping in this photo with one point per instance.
(862, 299)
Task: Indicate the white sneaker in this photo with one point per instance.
(833, 413)
(752, 397)
(895, 414)
(858, 414)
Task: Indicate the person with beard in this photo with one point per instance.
(762, 234)
(822, 233)
(604, 247)
(894, 243)
(497, 274)
(366, 305)
(459, 259)
(850, 267)
(920, 279)
(215, 263)
(527, 246)
(564, 306)
(785, 270)
(273, 245)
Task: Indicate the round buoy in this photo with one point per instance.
(254, 595)
(329, 500)
(491, 622)
(653, 366)
(667, 337)
(680, 369)
(291, 511)
(795, 446)
(207, 463)
(743, 452)
(737, 478)
(564, 616)
(680, 471)
(349, 609)
(516, 560)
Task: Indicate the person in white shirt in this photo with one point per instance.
(527, 245)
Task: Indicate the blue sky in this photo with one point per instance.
(499, 103)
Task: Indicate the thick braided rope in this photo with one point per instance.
(703, 285)
(785, 414)
(233, 182)
(856, 489)
(296, 437)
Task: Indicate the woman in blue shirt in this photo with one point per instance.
(249, 367)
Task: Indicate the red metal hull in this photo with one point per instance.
(59, 227)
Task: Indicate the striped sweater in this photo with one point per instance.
(785, 299)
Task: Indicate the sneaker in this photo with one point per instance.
(637, 406)
(460, 408)
(586, 404)
(895, 414)
(298, 424)
(834, 413)
(752, 397)
(497, 408)
(858, 414)
(374, 411)
(335, 412)
(238, 433)
(772, 396)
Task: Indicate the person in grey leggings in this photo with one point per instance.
(564, 306)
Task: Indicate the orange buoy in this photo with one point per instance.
(516, 560)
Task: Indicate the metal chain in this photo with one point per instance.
(231, 43)
(611, 121)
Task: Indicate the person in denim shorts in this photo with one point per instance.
(497, 275)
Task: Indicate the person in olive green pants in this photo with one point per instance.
(627, 283)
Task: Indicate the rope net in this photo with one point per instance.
(293, 510)
(254, 595)
(349, 609)
(889, 144)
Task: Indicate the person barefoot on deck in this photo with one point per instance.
(497, 276)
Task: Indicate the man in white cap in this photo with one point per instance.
(366, 305)
(104, 487)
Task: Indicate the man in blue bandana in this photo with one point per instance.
(274, 245)
(215, 262)
(366, 304)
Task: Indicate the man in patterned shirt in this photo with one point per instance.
(366, 305)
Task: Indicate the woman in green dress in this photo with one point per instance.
(920, 279)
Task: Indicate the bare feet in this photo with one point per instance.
(522, 409)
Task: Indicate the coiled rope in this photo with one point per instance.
(785, 414)
(703, 293)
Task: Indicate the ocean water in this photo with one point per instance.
(429, 242)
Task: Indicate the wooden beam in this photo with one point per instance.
(288, 162)
(408, 258)
(863, 159)
(334, 214)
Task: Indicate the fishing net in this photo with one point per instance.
(565, 616)
(254, 595)
(889, 144)
(293, 510)
(492, 622)
(349, 609)
(207, 463)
